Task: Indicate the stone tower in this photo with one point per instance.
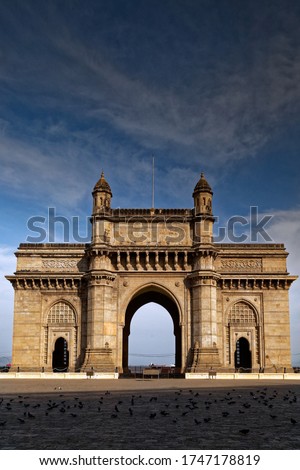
(203, 280)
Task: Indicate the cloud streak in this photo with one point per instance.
(227, 112)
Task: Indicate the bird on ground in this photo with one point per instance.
(2, 423)
(244, 431)
(152, 415)
(293, 421)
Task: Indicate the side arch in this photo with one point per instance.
(64, 312)
(61, 321)
(242, 320)
(233, 307)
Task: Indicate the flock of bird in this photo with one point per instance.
(198, 407)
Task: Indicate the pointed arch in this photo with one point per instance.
(242, 324)
(242, 311)
(61, 311)
(153, 293)
(61, 323)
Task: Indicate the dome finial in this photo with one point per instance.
(102, 184)
(202, 185)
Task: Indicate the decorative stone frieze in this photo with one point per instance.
(238, 264)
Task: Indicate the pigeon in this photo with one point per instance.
(244, 431)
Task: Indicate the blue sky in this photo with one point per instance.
(206, 85)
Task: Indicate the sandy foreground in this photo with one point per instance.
(149, 414)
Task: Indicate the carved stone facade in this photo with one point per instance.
(74, 302)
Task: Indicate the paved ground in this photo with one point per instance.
(149, 414)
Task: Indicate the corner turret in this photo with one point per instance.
(202, 197)
(102, 195)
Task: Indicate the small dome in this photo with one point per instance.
(202, 186)
(102, 185)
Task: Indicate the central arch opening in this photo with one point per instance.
(147, 298)
(151, 340)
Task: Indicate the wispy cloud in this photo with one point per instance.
(227, 112)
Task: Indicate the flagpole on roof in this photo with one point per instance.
(152, 182)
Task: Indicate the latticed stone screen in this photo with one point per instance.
(241, 312)
(61, 313)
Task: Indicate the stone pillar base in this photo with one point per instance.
(99, 360)
(205, 358)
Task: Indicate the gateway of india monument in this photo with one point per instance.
(74, 303)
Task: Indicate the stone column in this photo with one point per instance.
(203, 286)
(101, 323)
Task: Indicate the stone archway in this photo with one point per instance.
(152, 294)
(242, 355)
(60, 355)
